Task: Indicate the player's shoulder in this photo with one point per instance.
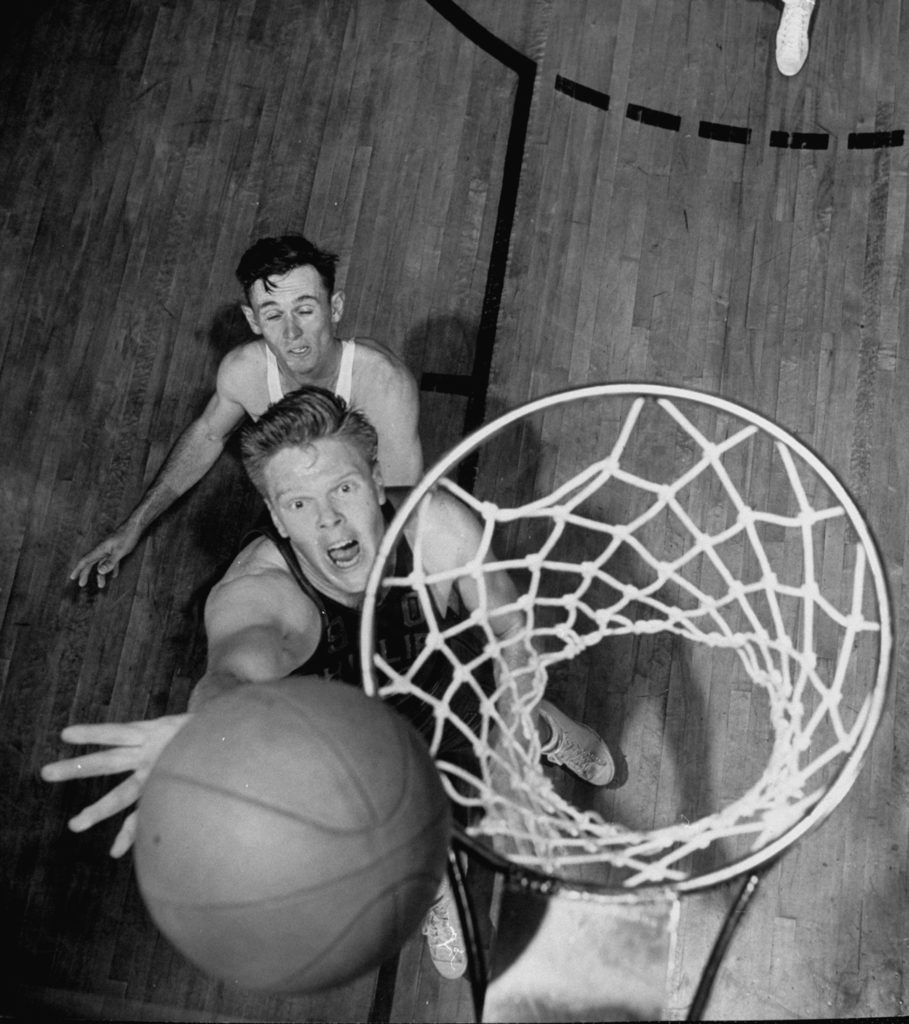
(449, 524)
(438, 500)
(258, 574)
(242, 377)
(248, 356)
(241, 371)
(373, 359)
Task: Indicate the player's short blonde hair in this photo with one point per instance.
(299, 418)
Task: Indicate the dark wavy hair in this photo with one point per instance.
(273, 257)
(299, 418)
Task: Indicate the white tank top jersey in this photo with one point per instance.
(345, 373)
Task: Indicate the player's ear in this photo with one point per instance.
(378, 481)
(337, 306)
(251, 318)
(279, 526)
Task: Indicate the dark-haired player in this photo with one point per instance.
(290, 302)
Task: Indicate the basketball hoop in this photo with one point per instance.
(628, 514)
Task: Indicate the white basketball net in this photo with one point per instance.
(663, 512)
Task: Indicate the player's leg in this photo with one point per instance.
(444, 936)
(442, 927)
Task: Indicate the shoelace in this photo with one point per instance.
(580, 756)
(797, 26)
(438, 924)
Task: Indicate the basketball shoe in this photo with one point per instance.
(792, 36)
(576, 747)
(442, 929)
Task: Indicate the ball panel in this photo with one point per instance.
(208, 848)
(301, 945)
(251, 736)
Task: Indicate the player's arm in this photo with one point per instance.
(392, 404)
(192, 456)
(456, 535)
(259, 627)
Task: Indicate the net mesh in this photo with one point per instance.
(668, 521)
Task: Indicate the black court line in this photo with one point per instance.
(526, 71)
(657, 118)
(384, 993)
(447, 383)
(584, 93)
(875, 140)
(724, 132)
(799, 140)
(737, 134)
(476, 385)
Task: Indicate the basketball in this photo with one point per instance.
(292, 835)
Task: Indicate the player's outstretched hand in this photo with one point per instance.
(106, 557)
(134, 747)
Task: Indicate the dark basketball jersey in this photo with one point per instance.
(400, 631)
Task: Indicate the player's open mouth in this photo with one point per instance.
(345, 555)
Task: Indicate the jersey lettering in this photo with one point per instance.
(411, 610)
(336, 635)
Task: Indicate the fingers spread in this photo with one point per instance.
(106, 734)
(125, 836)
(118, 799)
(104, 762)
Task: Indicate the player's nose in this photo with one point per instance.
(329, 515)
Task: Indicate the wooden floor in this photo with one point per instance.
(524, 196)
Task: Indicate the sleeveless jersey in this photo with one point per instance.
(400, 631)
(345, 373)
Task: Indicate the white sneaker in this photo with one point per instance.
(576, 747)
(792, 36)
(442, 929)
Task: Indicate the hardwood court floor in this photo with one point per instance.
(524, 196)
